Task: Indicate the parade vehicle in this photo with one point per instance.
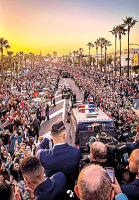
(87, 120)
(66, 92)
(65, 74)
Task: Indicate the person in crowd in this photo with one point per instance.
(16, 172)
(47, 111)
(36, 126)
(132, 189)
(42, 188)
(95, 184)
(61, 157)
(7, 193)
(98, 155)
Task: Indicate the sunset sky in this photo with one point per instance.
(63, 25)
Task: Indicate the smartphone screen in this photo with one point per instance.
(126, 157)
(111, 173)
(136, 104)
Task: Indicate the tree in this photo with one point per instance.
(4, 44)
(10, 53)
(31, 57)
(26, 56)
(90, 45)
(106, 44)
(120, 31)
(97, 45)
(80, 56)
(74, 56)
(114, 32)
(101, 42)
(129, 22)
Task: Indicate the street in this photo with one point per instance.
(59, 110)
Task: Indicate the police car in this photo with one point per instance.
(87, 120)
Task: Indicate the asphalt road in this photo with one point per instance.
(59, 110)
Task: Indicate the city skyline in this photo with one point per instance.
(63, 26)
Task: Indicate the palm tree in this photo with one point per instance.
(114, 32)
(10, 53)
(31, 56)
(97, 45)
(106, 44)
(90, 45)
(101, 42)
(129, 22)
(26, 56)
(4, 44)
(80, 56)
(120, 31)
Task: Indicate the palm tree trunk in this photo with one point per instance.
(105, 58)
(120, 57)
(101, 60)
(128, 67)
(25, 63)
(97, 56)
(1, 65)
(89, 56)
(115, 54)
(89, 50)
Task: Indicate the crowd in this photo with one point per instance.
(50, 170)
(114, 95)
(25, 102)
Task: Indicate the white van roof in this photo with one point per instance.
(86, 115)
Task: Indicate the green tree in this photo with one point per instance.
(10, 53)
(114, 32)
(90, 45)
(4, 44)
(101, 43)
(106, 44)
(97, 45)
(120, 31)
(129, 22)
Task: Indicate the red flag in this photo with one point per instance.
(36, 94)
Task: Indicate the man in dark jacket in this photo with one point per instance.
(36, 126)
(40, 188)
(132, 189)
(61, 157)
(47, 111)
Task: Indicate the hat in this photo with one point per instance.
(57, 127)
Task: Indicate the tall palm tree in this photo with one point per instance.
(26, 56)
(74, 56)
(129, 22)
(31, 57)
(120, 31)
(80, 56)
(10, 53)
(107, 43)
(114, 32)
(101, 42)
(4, 44)
(97, 45)
(90, 45)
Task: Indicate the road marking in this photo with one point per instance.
(64, 106)
(58, 91)
(60, 95)
(56, 113)
(64, 109)
(61, 101)
(47, 135)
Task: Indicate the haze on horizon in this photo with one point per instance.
(63, 25)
